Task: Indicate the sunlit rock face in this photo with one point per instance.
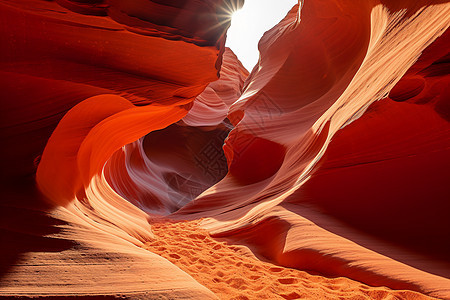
(399, 169)
(331, 156)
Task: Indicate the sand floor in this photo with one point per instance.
(231, 274)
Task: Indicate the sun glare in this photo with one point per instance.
(249, 24)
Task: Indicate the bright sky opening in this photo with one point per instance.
(249, 24)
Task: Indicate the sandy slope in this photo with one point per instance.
(232, 272)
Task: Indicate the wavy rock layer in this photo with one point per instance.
(94, 84)
(315, 78)
(334, 158)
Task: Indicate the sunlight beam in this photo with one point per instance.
(249, 24)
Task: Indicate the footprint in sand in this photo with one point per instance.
(184, 252)
(275, 269)
(291, 296)
(217, 247)
(249, 266)
(289, 280)
(197, 236)
(237, 283)
(205, 262)
(216, 256)
(174, 255)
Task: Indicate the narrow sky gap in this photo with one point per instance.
(249, 24)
